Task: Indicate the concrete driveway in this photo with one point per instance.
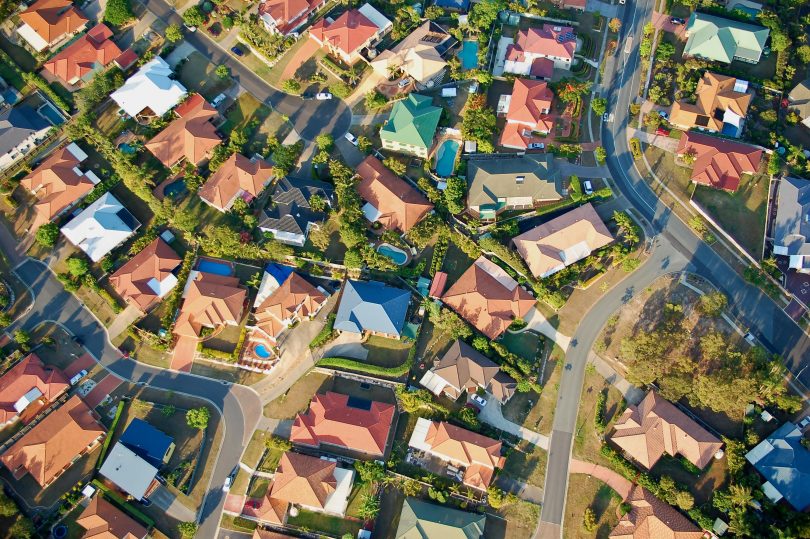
(535, 321)
(571, 169)
(163, 498)
(347, 345)
(492, 415)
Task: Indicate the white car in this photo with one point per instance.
(217, 100)
(479, 400)
(663, 114)
(78, 377)
(536, 145)
(588, 187)
(804, 422)
(351, 138)
(404, 82)
(323, 96)
(229, 481)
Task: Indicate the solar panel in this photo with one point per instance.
(358, 403)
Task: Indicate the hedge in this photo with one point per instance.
(118, 500)
(635, 148)
(110, 433)
(177, 294)
(365, 368)
(326, 334)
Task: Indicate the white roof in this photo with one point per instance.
(771, 492)
(433, 382)
(23, 402)
(32, 37)
(102, 226)
(161, 288)
(449, 92)
(337, 502)
(76, 152)
(375, 16)
(268, 285)
(420, 432)
(90, 175)
(128, 471)
(371, 213)
(150, 87)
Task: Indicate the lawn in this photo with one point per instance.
(245, 109)
(297, 398)
(334, 526)
(233, 375)
(356, 498)
(701, 485)
(240, 482)
(583, 492)
(258, 487)
(587, 444)
(676, 177)
(255, 449)
(537, 412)
(526, 344)
(197, 74)
(455, 263)
(526, 463)
(270, 460)
(521, 520)
(24, 60)
(386, 352)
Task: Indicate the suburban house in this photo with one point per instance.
(191, 137)
(148, 276)
(390, 200)
(791, 225)
(286, 16)
(465, 369)
(50, 22)
(372, 307)
(724, 40)
(237, 177)
(129, 472)
(511, 183)
(527, 111)
(799, 100)
(349, 34)
(721, 103)
(55, 443)
(289, 216)
(77, 63)
(359, 425)
(476, 456)
(312, 483)
(148, 442)
(566, 239)
(101, 227)
(28, 388)
(284, 298)
(268, 510)
(21, 130)
(655, 426)
(419, 55)
(58, 183)
(538, 48)
(151, 92)
(784, 462)
(719, 163)
(210, 301)
(649, 517)
(411, 126)
(442, 521)
(103, 520)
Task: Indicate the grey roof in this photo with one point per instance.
(289, 210)
(785, 463)
(462, 364)
(799, 98)
(372, 306)
(422, 520)
(17, 124)
(791, 227)
(491, 179)
(128, 471)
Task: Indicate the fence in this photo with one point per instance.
(362, 378)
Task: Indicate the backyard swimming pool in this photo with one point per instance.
(396, 254)
(446, 158)
(215, 267)
(175, 189)
(468, 55)
(128, 149)
(262, 351)
(51, 114)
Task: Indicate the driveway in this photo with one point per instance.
(535, 321)
(615, 481)
(349, 151)
(667, 144)
(571, 169)
(123, 320)
(163, 498)
(346, 345)
(661, 21)
(492, 415)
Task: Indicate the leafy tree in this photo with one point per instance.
(599, 105)
(341, 89)
(78, 266)
(291, 86)
(768, 116)
(325, 142)
(194, 16)
(375, 100)
(187, 529)
(484, 14)
(23, 338)
(118, 12)
(713, 304)
(168, 410)
(665, 51)
(369, 471)
(684, 500)
(222, 71)
(317, 203)
(589, 520)
(803, 53)
(396, 166)
(174, 33)
(286, 157)
(364, 144)
(5, 319)
(353, 259)
(8, 507)
(454, 194)
(47, 234)
(197, 418)
(570, 89)
(615, 25)
(575, 188)
(479, 124)
(601, 154)
(22, 528)
(433, 12)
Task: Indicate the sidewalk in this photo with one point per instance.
(615, 481)
(492, 415)
(659, 141)
(535, 321)
(631, 393)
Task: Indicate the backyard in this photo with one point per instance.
(386, 352)
(332, 525)
(198, 75)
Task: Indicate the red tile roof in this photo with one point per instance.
(151, 266)
(650, 518)
(479, 454)
(191, 135)
(347, 33)
(126, 59)
(542, 41)
(438, 284)
(287, 14)
(531, 101)
(719, 163)
(84, 56)
(211, 301)
(294, 299)
(52, 19)
(304, 480)
(26, 375)
(237, 175)
(103, 520)
(401, 206)
(542, 68)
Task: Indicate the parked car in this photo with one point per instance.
(323, 96)
(677, 21)
(750, 339)
(536, 145)
(237, 51)
(663, 114)
(663, 131)
(479, 400)
(229, 480)
(351, 138)
(308, 95)
(804, 422)
(588, 187)
(404, 82)
(78, 377)
(217, 100)
(190, 28)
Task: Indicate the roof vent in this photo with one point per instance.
(520, 179)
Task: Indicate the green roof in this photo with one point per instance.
(723, 40)
(413, 121)
(422, 520)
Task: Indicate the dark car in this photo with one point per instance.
(237, 51)
(677, 21)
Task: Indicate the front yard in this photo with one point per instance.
(198, 75)
(386, 352)
(526, 463)
(588, 492)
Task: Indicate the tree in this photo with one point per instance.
(291, 86)
(194, 16)
(118, 12)
(325, 141)
(433, 12)
(479, 124)
(454, 194)
(8, 507)
(369, 471)
(395, 165)
(78, 266)
(803, 53)
(47, 234)
(364, 144)
(570, 89)
(601, 154)
(615, 25)
(684, 500)
(22, 528)
(317, 203)
(589, 520)
(374, 100)
(222, 71)
(174, 33)
(23, 338)
(665, 51)
(197, 418)
(713, 304)
(187, 529)
(168, 410)
(768, 116)
(599, 105)
(484, 14)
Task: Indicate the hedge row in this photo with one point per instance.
(177, 294)
(110, 433)
(373, 370)
(326, 334)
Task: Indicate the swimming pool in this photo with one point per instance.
(51, 114)
(396, 254)
(127, 149)
(262, 351)
(468, 55)
(446, 158)
(212, 266)
(175, 189)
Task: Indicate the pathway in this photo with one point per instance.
(660, 141)
(615, 481)
(366, 85)
(123, 320)
(583, 171)
(524, 491)
(535, 321)
(163, 498)
(631, 393)
(492, 415)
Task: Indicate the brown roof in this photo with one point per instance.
(272, 510)
(479, 454)
(719, 163)
(103, 520)
(463, 366)
(191, 136)
(234, 177)
(530, 103)
(488, 298)
(361, 425)
(54, 442)
(714, 95)
(562, 241)
(52, 19)
(655, 427)
(401, 206)
(303, 479)
(650, 518)
(296, 297)
(347, 33)
(56, 183)
(138, 279)
(26, 375)
(259, 533)
(84, 56)
(211, 301)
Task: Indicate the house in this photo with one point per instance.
(550, 42)
(528, 111)
(649, 517)
(359, 425)
(55, 443)
(791, 225)
(349, 34)
(103, 520)
(147, 277)
(578, 5)
(721, 103)
(719, 163)
(269, 510)
(419, 55)
(372, 307)
(464, 369)
(488, 298)
(237, 177)
(411, 126)
(286, 16)
(191, 137)
(129, 472)
(511, 183)
(454, 5)
(476, 455)
(77, 63)
(419, 519)
(148, 442)
(312, 483)
(292, 212)
(784, 462)
(390, 200)
(655, 426)
(27, 388)
(209, 301)
(566, 239)
(285, 298)
(724, 40)
(799, 101)
(151, 92)
(49, 22)
(59, 183)
(126, 60)
(101, 227)
(21, 130)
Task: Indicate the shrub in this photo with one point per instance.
(118, 12)
(326, 334)
(118, 411)
(341, 90)
(187, 530)
(194, 16)
(197, 418)
(635, 148)
(47, 234)
(365, 368)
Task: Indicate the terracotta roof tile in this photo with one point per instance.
(531, 104)
(103, 520)
(714, 93)
(479, 454)
(26, 375)
(719, 163)
(191, 136)
(91, 52)
(650, 518)
(303, 479)
(347, 33)
(544, 41)
(295, 298)
(137, 280)
(211, 301)
(401, 206)
(52, 19)
(237, 175)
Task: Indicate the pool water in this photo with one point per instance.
(262, 351)
(397, 255)
(126, 148)
(51, 114)
(175, 189)
(446, 158)
(217, 268)
(468, 55)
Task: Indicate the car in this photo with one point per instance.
(404, 82)
(229, 480)
(676, 21)
(78, 377)
(804, 422)
(190, 28)
(479, 400)
(663, 131)
(323, 96)
(351, 138)
(217, 100)
(588, 187)
(750, 339)
(146, 502)
(536, 145)
(237, 51)
(308, 95)
(663, 114)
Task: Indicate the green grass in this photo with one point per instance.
(356, 498)
(20, 55)
(259, 487)
(197, 74)
(334, 526)
(526, 344)
(270, 461)
(526, 463)
(255, 449)
(246, 109)
(10, 75)
(386, 352)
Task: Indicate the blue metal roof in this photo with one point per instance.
(279, 272)
(146, 441)
(372, 306)
(785, 464)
